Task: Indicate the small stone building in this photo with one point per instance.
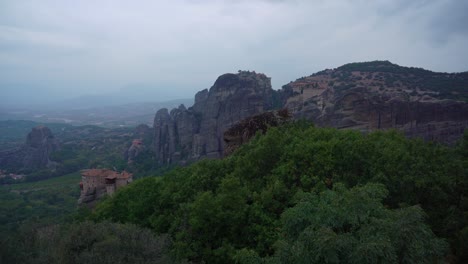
(97, 182)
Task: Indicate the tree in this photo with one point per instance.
(353, 226)
(88, 242)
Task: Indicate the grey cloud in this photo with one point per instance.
(181, 46)
(451, 19)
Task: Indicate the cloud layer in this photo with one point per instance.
(70, 48)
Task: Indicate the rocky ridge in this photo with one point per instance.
(183, 135)
(364, 96)
(382, 95)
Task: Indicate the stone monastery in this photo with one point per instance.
(95, 183)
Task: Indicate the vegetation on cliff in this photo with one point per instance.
(86, 242)
(385, 74)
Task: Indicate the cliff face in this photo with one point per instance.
(381, 95)
(190, 134)
(363, 96)
(246, 129)
(35, 153)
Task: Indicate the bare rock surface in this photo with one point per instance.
(367, 96)
(246, 129)
(184, 135)
(382, 95)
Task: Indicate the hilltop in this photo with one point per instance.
(365, 96)
(383, 77)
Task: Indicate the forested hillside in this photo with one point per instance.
(301, 194)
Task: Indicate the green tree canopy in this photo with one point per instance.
(218, 211)
(353, 226)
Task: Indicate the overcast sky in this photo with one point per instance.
(57, 49)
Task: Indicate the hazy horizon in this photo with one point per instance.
(158, 51)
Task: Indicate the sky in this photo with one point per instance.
(56, 49)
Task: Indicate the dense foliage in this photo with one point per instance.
(303, 194)
(445, 85)
(384, 74)
(46, 202)
(352, 226)
(86, 242)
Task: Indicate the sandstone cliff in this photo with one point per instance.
(246, 129)
(382, 95)
(363, 96)
(183, 135)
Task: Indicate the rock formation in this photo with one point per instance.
(190, 134)
(40, 143)
(382, 95)
(243, 131)
(135, 149)
(141, 135)
(34, 154)
(363, 96)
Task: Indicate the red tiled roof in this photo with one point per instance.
(105, 173)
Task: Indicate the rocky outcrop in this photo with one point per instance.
(136, 148)
(40, 143)
(384, 96)
(243, 131)
(184, 135)
(363, 96)
(142, 134)
(34, 154)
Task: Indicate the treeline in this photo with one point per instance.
(297, 194)
(301, 194)
(85, 242)
(444, 85)
(384, 66)
(46, 202)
